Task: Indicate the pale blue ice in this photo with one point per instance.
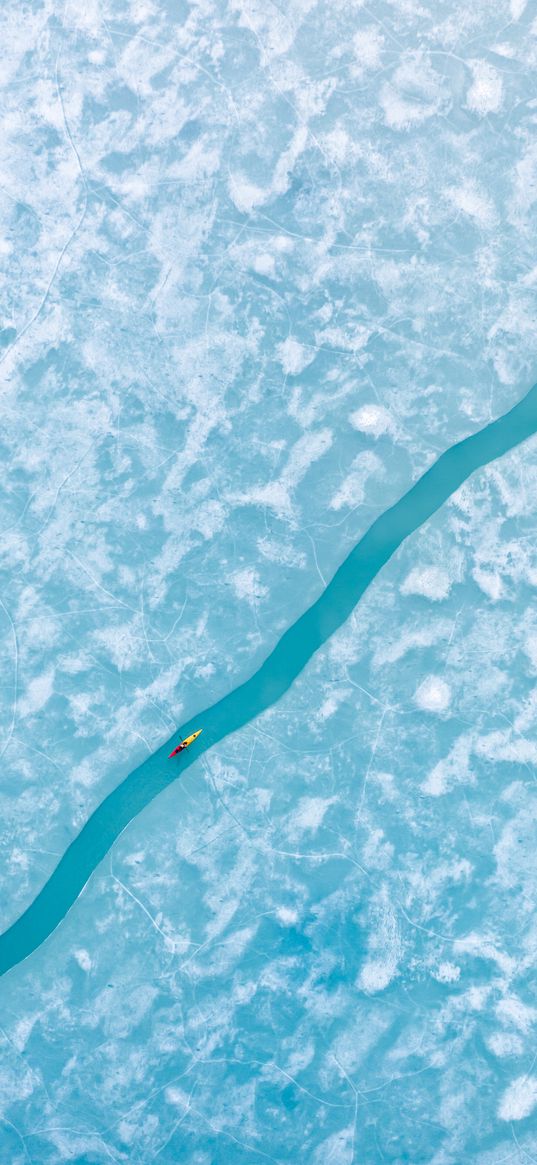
(262, 265)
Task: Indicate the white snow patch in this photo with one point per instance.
(308, 449)
(39, 690)
(386, 782)
(264, 264)
(348, 339)
(526, 177)
(473, 202)
(415, 93)
(419, 637)
(480, 946)
(530, 649)
(122, 644)
(503, 50)
(488, 582)
(22, 1031)
(476, 997)
(513, 1010)
(500, 746)
(384, 946)
(245, 194)
(447, 973)
(430, 581)
(247, 585)
(517, 7)
(519, 1100)
(485, 94)
(287, 161)
(18, 860)
(200, 162)
(286, 916)
(338, 147)
(83, 959)
(294, 357)
(376, 975)
(177, 1097)
(433, 695)
(337, 1147)
(274, 495)
(352, 490)
(372, 419)
(301, 1057)
(331, 703)
(367, 45)
(328, 707)
(310, 813)
(84, 773)
(505, 1044)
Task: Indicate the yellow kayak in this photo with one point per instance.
(185, 743)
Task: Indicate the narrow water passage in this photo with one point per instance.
(271, 681)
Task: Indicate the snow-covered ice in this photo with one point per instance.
(261, 266)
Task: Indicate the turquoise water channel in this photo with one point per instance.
(270, 682)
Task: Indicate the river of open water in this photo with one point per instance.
(273, 678)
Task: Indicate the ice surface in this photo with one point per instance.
(260, 267)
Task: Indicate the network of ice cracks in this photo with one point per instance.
(261, 264)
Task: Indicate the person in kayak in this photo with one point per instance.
(185, 743)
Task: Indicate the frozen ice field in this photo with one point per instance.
(262, 265)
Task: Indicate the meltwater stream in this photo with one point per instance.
(272, 679)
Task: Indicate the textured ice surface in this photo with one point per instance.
(261, 264)
(324, 937)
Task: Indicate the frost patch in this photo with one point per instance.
(308, 449)
(122, 645)
(286, 916)
(83, 959)
(473, 202)
(505, 1044)
(491, 584)
(367, 45)
(448, 973)
(247, 585)
(310, 814)
(337, 1147)
(39, 690)
(481, 947)
(372, 419)
(430, 581)
(517, 7)
(264, 264)
(384, 947)
(294, 357)
(415, 93)
(274, 495)
(176, 1096)
(485, 94)
(22, 1031)
(513, 1010)
(519, 1100)
(376, 975)
(18, 860)
(433, 695)
(352, 491)
(331, 704)
(245, 194)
